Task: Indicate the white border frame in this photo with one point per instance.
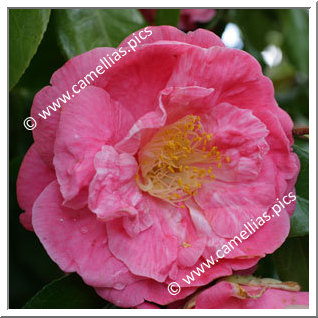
(312, 155)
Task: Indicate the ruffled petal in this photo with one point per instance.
(242, 204)
(226, 295)
(200, 37)
(238, 80)
(113, 191)
(77, 241)
(155, 248)
(89, 122)
(145, 290)
(34, 176)
(62, 81)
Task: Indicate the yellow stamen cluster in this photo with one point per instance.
(177, 160)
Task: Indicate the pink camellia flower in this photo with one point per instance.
(238, 292)
(155, 165)
(189, 18)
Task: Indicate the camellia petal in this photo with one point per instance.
(82, 132)
(76, 241)
(34, 176)
(251, 294)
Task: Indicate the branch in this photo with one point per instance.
(300, 131)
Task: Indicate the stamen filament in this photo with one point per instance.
(178, 160)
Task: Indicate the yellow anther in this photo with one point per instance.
(196, 138)
(171, 169)
(227, 159)
(185, 245)
(172, 164)
(212, 176)
(219, 165)
(182, 207)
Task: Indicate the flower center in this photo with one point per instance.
(177, 160)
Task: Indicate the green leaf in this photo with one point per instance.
(68, 292)
(292, 261)
(80, 30)
(45, 62)
(303, 143)
(299, 222)
(302, 185)
(266, 268)
(295, 26)
(26, 29)
(168, 17)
